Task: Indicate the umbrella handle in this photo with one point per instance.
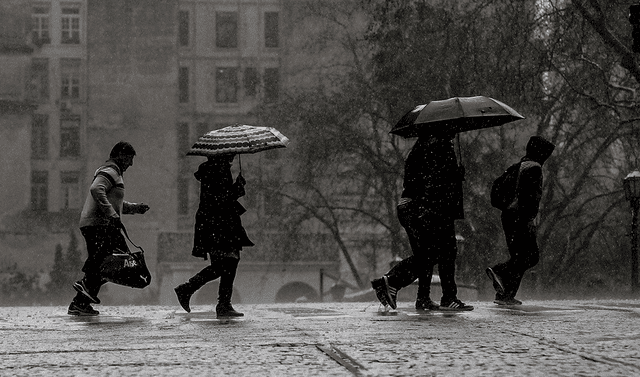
(240, 163)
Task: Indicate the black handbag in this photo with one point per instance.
(126, 268)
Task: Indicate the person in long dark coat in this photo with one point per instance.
(219, 233)
(430, 203)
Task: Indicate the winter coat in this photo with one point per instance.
(433, 179)
(529, 189)
(218, 226)
(106, 197)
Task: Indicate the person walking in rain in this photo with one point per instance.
(430, 202)
(518, 223)
(219, 234)
(101, 226)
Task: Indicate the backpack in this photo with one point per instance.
(503, 189)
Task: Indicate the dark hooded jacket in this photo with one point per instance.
(218, 224)
(433, 179)
(529, 190)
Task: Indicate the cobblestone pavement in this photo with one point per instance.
(541, 338)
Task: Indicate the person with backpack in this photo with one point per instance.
(430, 203)
(101, 226)
(517, 193)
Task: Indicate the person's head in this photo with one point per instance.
(122, 154)
(539, 149)
(226, 158)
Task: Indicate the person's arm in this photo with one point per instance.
(133, 208)
(529, 192)
(99, 188)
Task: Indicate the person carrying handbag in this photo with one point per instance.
(101, 226)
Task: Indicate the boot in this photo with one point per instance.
(226, 310)
(225, 290)
(186, 290)
(184, 294)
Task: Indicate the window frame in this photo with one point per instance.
(38, 31)
(226, 92)
(39, 190)
(70, 190)
(184, 28)
(226, 29)
(70, 145)
(271, 37)
(40, 136)
(184, 81)
(71, 24)
(70, 79)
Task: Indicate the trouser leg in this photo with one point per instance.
(523, 254)
(424, 285)
(228, 275)
(445, 238)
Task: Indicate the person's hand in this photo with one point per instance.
(142, 208)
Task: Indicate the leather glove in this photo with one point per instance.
(142, 208)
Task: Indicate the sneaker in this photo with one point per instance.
(385, 293)
(455, 305)
(82, 310)
(379, 288)
(80, 287)
(497, 281)
(426, 304)
(507, 301)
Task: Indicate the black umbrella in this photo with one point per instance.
(457, 114)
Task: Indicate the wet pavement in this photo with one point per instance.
(540, 338)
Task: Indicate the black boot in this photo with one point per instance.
(186, 290)
(184, 293)
(224, 308)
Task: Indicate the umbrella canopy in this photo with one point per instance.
(238, 139)
(457, 114)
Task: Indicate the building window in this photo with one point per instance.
(39, 190)
(70, 25)
(38, 86)
(271, 29)
(40, 22)
(70, 189)
(226, 29)
(271, 84)
(183, 28)
(70, 137)
(183, 138)
(251, 81)
(183, 196)
(183, 84)
(227, 85)
(70, 78)
(40, 137)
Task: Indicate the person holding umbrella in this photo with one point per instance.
(429, 204)
(432, 197)
(219, 233)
